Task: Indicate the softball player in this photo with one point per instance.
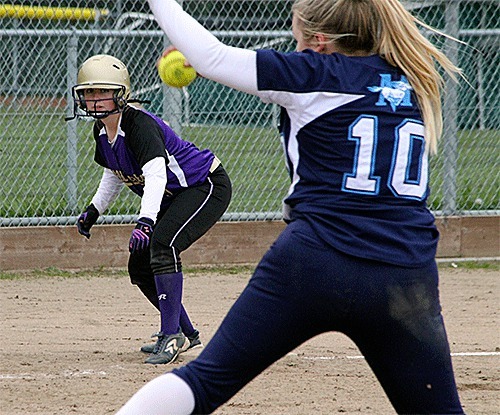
(183, 190)
(358, 253)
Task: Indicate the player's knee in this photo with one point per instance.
(164, 259)
(141, 278)
(139, 269)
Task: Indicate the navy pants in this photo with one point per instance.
(302, 288)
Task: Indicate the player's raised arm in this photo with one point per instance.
(211, 58)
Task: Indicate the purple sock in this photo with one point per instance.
(186, 325)
(169, 290)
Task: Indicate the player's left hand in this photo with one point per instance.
(141, 235)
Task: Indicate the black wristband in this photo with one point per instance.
(145, 221)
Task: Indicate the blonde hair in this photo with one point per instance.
(386, 28)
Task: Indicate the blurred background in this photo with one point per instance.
(47, 171)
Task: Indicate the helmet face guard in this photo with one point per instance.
(88, 107)
(100, 72)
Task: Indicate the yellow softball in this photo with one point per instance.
(173, 72)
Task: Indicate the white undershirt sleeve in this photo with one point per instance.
(108, 190)
(155, 180)
(234, 67)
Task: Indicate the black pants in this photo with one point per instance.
(191, 213)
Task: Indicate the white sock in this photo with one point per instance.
(167, 394)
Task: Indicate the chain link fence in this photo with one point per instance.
(48, 173)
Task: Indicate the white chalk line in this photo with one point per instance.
(65, 374)
(466, 354)
(102, 374)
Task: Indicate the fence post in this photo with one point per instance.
(450, 113)
(172, 105)
(172, 101)
(480, 78)
(15, 59)
(72, 136)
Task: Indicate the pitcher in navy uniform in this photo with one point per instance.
(184, 191)
(361, 112)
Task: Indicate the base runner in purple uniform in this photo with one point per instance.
(184, 191)
(361, 112)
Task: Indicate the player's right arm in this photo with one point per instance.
(230, 66)
(108, 190)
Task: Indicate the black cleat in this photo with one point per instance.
(167, 348)
(194, 343)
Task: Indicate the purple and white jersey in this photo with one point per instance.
(354, 142)
(143, 137)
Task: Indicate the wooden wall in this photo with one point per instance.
(226, 243)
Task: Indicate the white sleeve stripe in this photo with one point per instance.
(174, 167)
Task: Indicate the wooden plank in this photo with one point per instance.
(226, 243)
(449, 236)
(234, 242)
(480, 236)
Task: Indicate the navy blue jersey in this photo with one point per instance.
(142, 137)
(354, 142)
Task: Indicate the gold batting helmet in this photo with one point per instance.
(102, 72)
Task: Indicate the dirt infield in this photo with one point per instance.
(71, 346)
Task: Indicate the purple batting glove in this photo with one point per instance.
(139, 241)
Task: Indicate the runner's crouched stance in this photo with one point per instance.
(184, 191)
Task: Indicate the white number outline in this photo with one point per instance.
(399, 183)
(364, 131)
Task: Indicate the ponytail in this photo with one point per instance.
(403, 46)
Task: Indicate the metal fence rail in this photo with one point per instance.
(47, 168)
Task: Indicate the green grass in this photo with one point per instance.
(472, 265)
(52, 272)
(477, 173)
(194, 271)
(33, 156)
(34, 160)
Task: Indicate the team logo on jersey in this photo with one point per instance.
(396, 93)
(132, 180)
